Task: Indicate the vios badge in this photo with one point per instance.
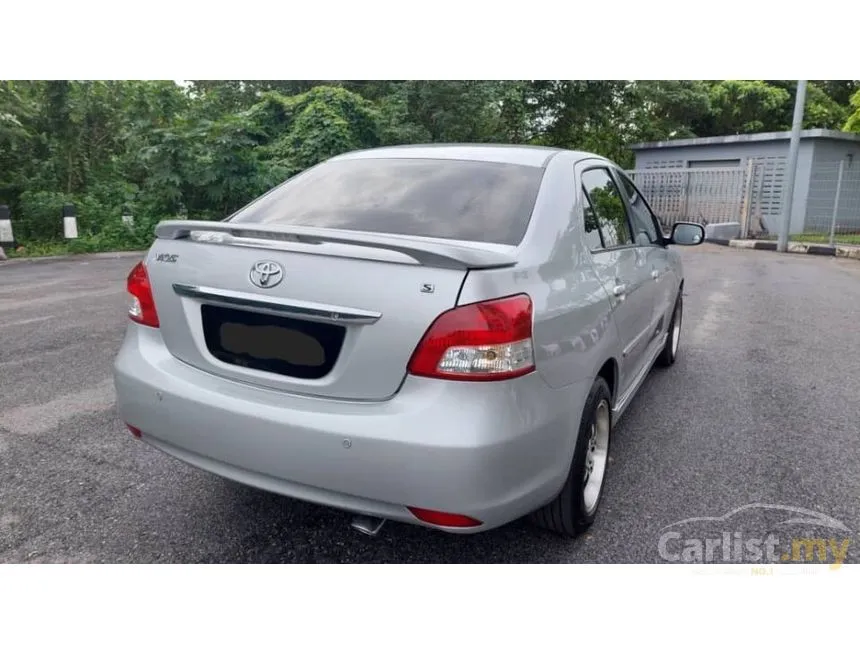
(266, 274)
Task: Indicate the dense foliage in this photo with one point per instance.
(853, 123)
(156, 149)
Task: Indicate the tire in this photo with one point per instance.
(569, 514)
(670, 349)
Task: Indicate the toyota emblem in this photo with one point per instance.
(266, 274)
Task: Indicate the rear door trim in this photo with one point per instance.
(302, 310)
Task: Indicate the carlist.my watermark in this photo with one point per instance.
(757, 534)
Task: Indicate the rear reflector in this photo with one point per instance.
(438, 518)
(142, 307)
(133, 431)
(483, 341)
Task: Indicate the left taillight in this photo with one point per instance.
(142, 307)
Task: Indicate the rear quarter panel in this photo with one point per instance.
(573, 329)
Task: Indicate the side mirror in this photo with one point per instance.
(687, 234)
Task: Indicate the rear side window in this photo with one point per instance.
(605, 208)
(452, 199)
(593, 237)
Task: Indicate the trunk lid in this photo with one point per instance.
(308, 311)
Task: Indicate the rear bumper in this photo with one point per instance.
(491, 451)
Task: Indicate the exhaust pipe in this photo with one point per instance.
(367, 525)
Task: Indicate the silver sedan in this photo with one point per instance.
(443, 334)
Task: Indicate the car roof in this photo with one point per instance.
(523, 155)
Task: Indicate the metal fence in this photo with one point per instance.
(752, 195)
(833, 204)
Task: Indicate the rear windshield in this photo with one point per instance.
(462, 200)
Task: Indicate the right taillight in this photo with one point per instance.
(142, 307)
(482, 341)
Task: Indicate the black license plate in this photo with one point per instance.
(269, 343)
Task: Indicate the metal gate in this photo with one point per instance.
(709, 195)
(750, 194)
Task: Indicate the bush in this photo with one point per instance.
(39, 228)
(41, 216)
(104, 205)
(98, 212)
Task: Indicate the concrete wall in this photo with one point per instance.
(679, 157)
(767, 191)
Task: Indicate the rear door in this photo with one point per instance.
(647, 235)
(325, 286)
(621, 266)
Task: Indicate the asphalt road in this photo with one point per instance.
(763, 406)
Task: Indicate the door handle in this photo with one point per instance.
(655, 274)
(619, 290)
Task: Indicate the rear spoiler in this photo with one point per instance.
(432, 254)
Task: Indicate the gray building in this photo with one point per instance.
(741, 177)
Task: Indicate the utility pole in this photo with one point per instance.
(791, 171)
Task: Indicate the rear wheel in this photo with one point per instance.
(670, 349)
(575, 508)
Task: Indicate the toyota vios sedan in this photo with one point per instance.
(442, 335)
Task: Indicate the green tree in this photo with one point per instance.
(307, 128)
(588, 115)
(17, 139)
(852, 124)
(203, 148)
(744, 107)
(668, 109)
(839, 91)
(456, 111)
(821, 110)
(233, 96)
